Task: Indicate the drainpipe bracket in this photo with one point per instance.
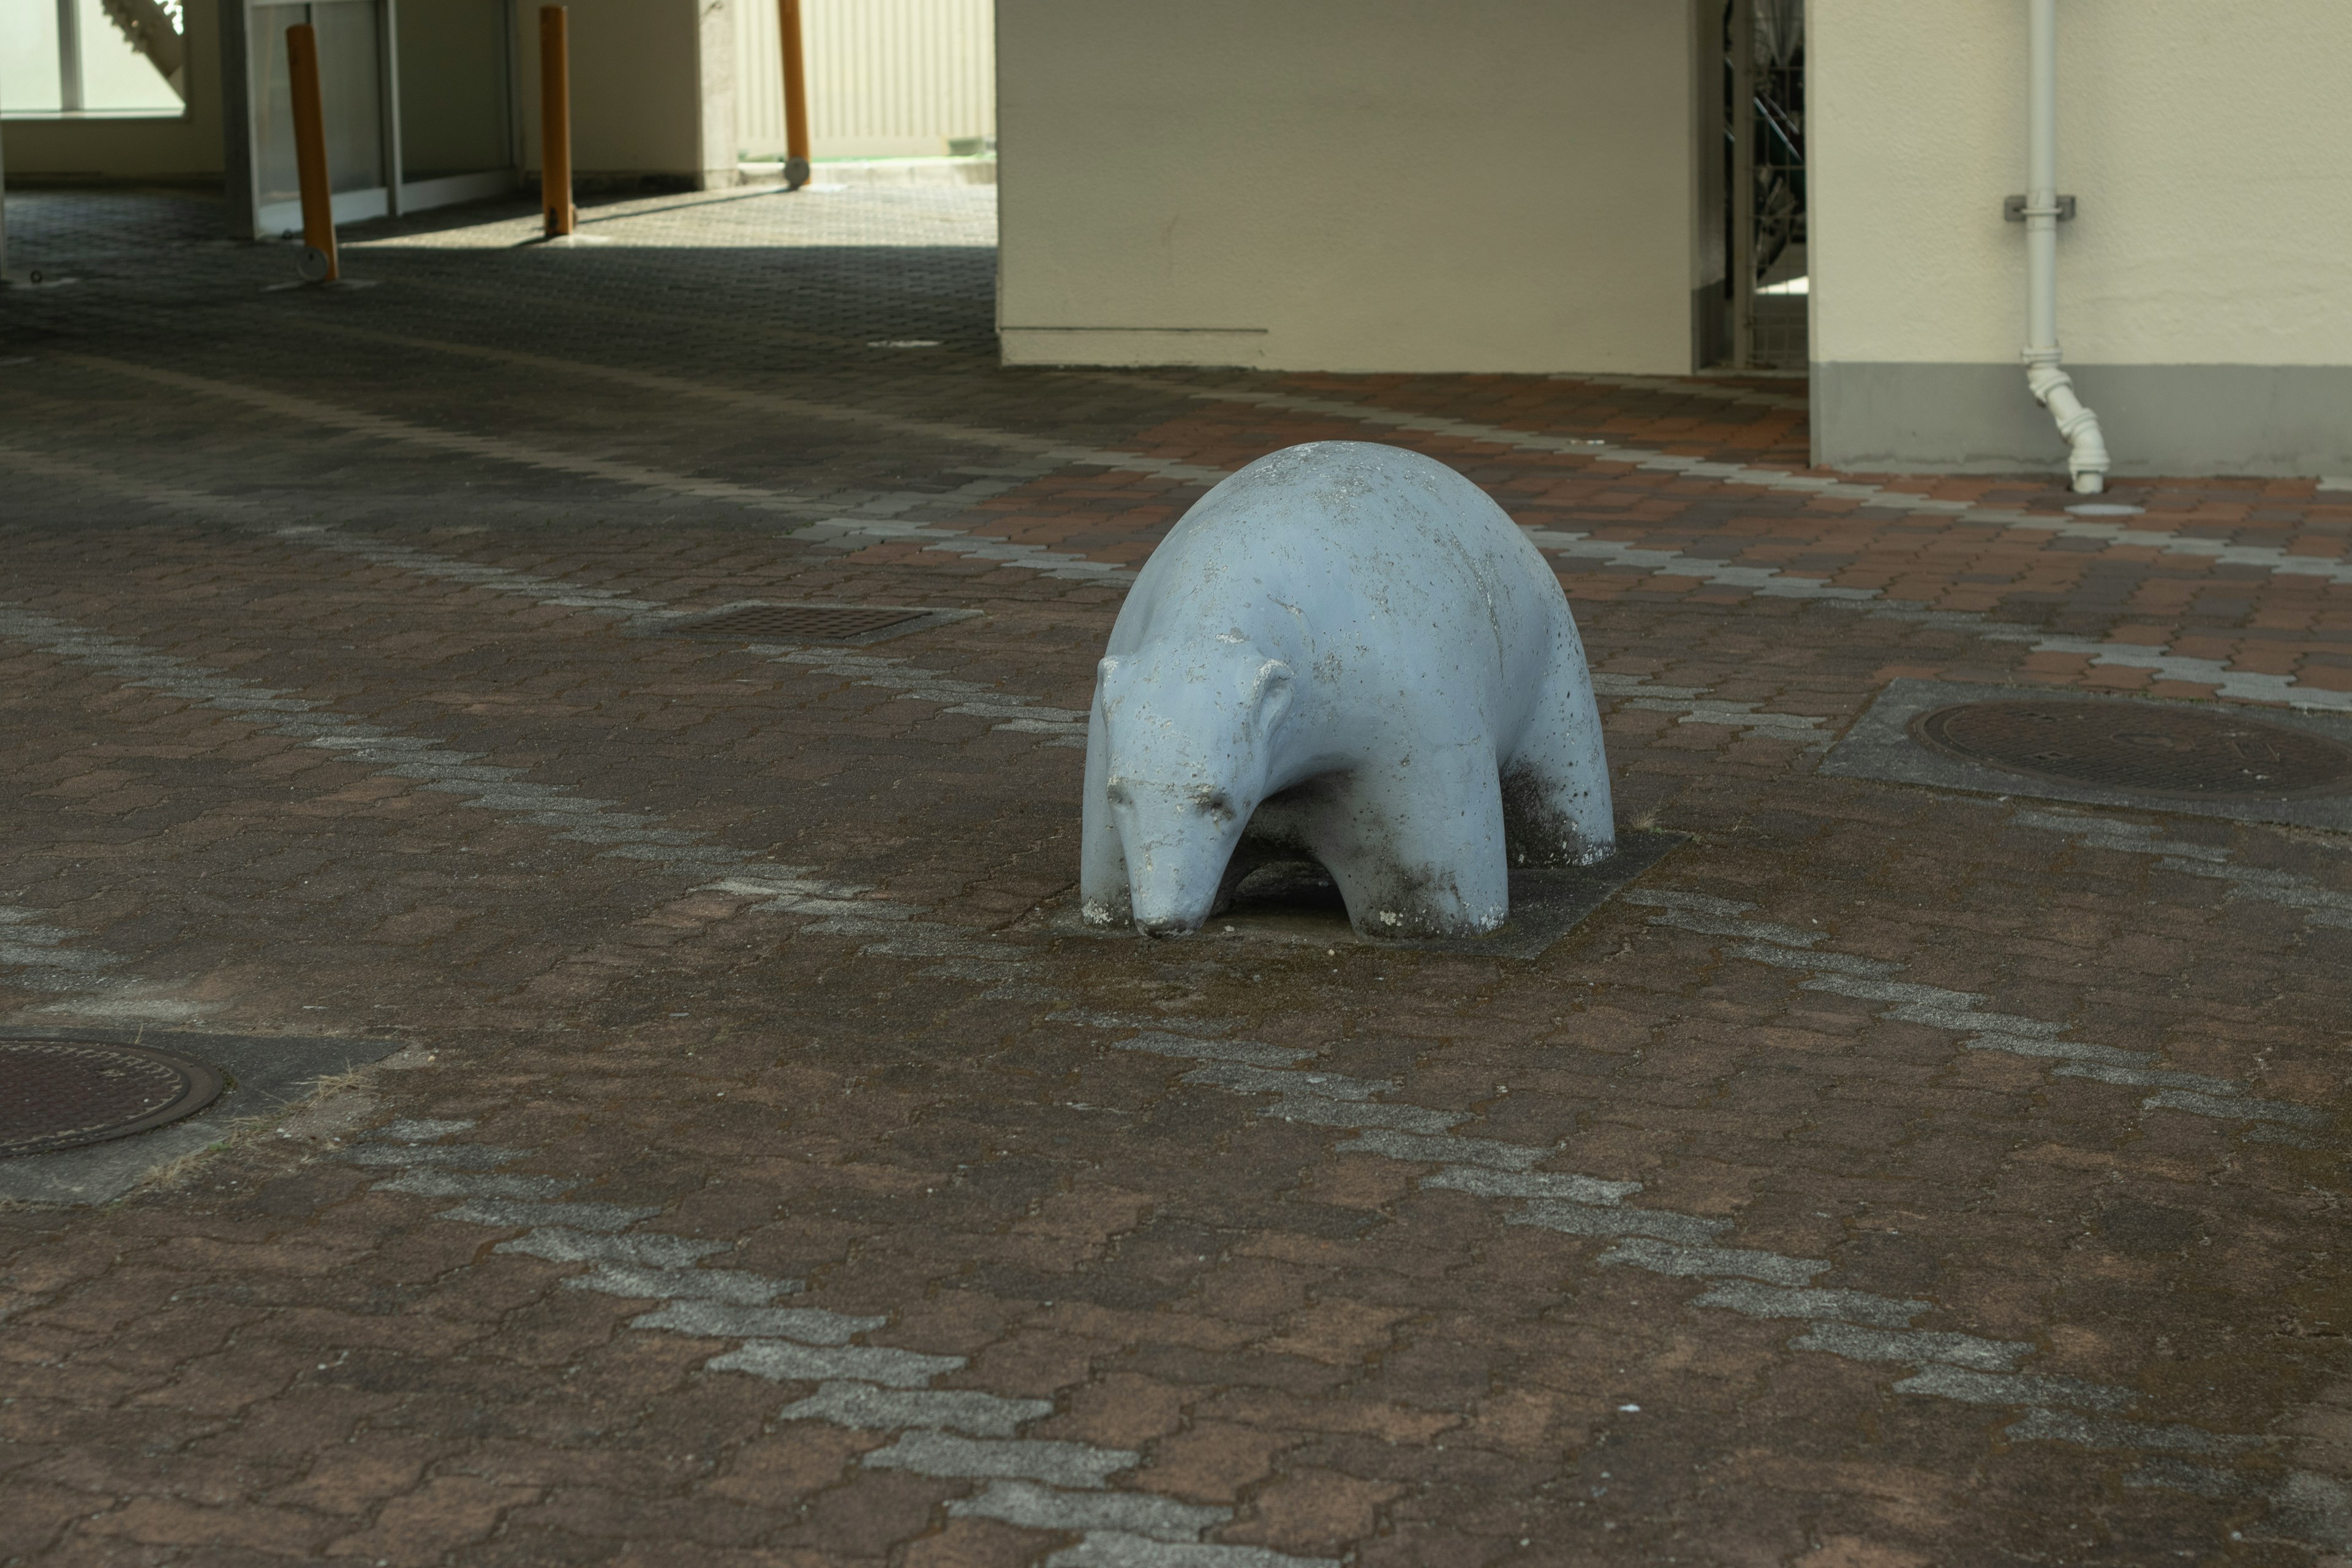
(2014, 210)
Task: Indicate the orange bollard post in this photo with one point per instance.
(555, 121)
(796, 135)
(321, 262)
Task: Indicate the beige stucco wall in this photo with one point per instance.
(887, 79)
(652, 88)
(2208, 143)
(178, 148)
(1350, 184)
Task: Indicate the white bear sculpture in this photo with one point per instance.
(1346, 653)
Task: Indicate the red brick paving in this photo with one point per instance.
(273, 1357)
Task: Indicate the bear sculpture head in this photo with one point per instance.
(1190, 734)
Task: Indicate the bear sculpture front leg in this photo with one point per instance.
(1416, 847)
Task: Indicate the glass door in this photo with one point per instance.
(457, 125)
(418, 110)
(351, 90)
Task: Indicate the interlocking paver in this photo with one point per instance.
(1889, 1177)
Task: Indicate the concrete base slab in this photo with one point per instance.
(839, 173)
(1880, 746)
(264, 1073)
(1296, 904)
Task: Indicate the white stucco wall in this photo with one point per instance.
(1350, 184)
(2208, 142)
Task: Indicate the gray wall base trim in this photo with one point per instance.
(1710, 325)
(2181, 419)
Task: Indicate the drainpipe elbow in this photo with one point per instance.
(2086, 448)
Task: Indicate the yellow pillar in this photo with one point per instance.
(796, 131)
(555, 121)
(310, 154)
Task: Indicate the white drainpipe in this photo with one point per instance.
(2087, 461)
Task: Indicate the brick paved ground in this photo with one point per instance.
(1889, 1178)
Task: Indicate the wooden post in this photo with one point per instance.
(796, 131)
(311, 155)
(555, 121)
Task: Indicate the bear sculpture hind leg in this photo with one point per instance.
(1417, 847)
(1556, 804)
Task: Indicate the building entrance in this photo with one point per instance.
(419, 111)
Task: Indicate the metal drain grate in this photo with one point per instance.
(799, 623)
(2140, 748)
(62, 1094)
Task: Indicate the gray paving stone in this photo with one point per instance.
(733, 1285)
(2015, 1388)
(1163, 1044)
(2235, 1108)
(1702, 1262)
(645, 1249)
(1916, 1347)
(1710, 924)
(2152, 1077)
(964, 1410)
(2093, 1432)
(1819, 962)
(1847, 1306)
(472, 1184)
(1586, 1219)
(2313, 1507)
(2058, 1050)
(1110, 1549)
(441, 1156)
(1058, 1464)
(1241, 1078)
(1445, 1148)
(1491, 1183)
(573, 1216)
(809, 1325)
(15, 953)
(1033, 1507)
(2184, 1475)
(780, 1361)
(1363, 1113)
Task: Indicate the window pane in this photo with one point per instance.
(28, 56)
(117, 77)
(349, 82)
(347, 85)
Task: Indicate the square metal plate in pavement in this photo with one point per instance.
(2149, 755)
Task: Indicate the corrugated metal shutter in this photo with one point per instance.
(886, 77)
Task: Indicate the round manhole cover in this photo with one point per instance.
(2139, 748)
(62, 1094)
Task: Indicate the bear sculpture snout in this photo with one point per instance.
(1178, 841)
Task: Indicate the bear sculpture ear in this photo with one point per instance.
(1269, 696)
